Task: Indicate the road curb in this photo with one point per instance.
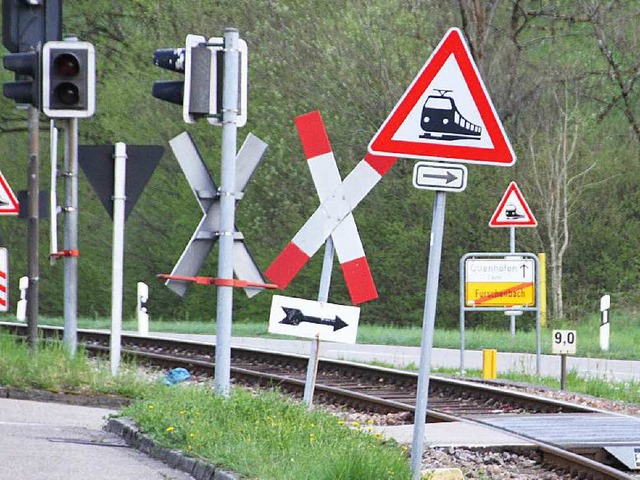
(68, 398)
(133, 436)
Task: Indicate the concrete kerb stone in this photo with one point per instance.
(198, 469)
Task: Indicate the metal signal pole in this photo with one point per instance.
(70, 309)
(33, 244)
(227, 211)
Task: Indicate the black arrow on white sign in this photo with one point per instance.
(449, 177)
(294, 316)
(440, 176)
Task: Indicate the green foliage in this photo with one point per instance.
(352, 60)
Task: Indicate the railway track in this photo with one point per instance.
(365, 388)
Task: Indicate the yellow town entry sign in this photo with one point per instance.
(500, 282)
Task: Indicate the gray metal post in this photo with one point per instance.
(227, 211)
(70, 307)
(33, 243)
(428, 324)
(327, 268)
(323, 296)
(117, 253)
(462, 310)
(538, 319)
(512, 249)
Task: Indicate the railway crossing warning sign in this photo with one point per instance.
(333, 218)
(8, 202)
(446, 113)
(208, 197)
(513, 210)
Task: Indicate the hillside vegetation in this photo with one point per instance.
(561, 75)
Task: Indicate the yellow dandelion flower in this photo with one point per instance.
(370, 421)
(355, 424)
(170, 429)
(341, 422)
(150, 407)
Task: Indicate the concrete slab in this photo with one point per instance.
(453, 434)
(66, 442)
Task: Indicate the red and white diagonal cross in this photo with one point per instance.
(334, 216)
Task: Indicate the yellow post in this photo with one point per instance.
(542, 257)
(489, 362)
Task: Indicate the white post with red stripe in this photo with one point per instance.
(4, 280)
(333, 217)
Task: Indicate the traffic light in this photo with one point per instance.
(26, 88)
(200, 93)
(68, 79)
(202, 63)
(197, 93)
(169, 59)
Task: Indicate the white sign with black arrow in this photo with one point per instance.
(440, 176)
(308, 318)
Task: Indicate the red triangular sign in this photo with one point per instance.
(8, 202)
(446, 113)
(513, 210)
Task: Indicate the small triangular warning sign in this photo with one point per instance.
(446, 113)
(513, 210)
(8, 202)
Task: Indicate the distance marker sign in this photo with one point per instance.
(500, 282)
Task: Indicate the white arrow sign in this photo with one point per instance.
(307, 318)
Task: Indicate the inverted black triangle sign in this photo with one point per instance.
(96, 162)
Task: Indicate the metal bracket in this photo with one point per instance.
(218, 282)
(65, 253)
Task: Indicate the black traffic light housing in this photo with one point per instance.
(68, 79)
(26, 88)
(198, 92)
(171, 90)
(28, 23)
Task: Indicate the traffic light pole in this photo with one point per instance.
(33, 188)
(70, 208)
(227, 211)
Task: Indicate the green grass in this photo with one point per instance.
(50, 368)
(265, 436)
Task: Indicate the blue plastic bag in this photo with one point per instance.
(176, 375)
